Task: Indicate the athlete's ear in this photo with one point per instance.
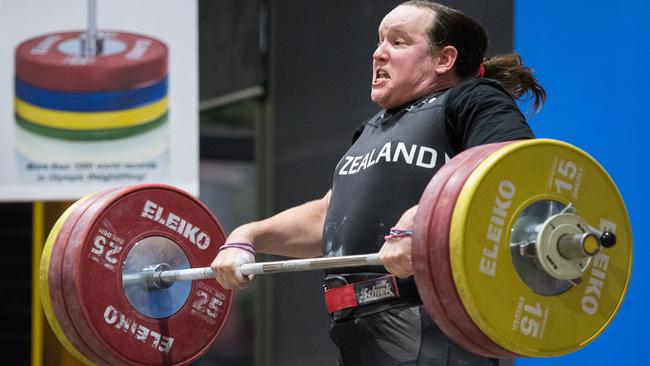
(446, 59)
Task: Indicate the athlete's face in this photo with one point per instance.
(403, 65)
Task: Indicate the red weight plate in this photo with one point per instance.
(55, 278)
(439, 250)
(422, 266)
(434, 194)
(93, 289)
(53, 304)
(129, 61)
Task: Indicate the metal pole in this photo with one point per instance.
(293, 265)
(91, 40)
(167, 277)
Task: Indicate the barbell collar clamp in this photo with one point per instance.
(608, 239)
(152, 276)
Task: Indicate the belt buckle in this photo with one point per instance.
(333, 278)
(340, 281)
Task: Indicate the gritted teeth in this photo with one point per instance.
(381, 74)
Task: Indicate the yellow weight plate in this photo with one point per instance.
(85, 121)
(498, 299)
(44, 285)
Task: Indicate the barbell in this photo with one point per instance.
(520, 249)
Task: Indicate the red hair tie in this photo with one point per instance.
(481, 70)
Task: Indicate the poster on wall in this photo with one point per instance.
(96, 94)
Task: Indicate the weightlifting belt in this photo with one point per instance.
(359, 294)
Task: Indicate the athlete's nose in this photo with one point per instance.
(380, 55)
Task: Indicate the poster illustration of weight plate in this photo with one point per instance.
(97, 94)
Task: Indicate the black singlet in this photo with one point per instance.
(396, 152)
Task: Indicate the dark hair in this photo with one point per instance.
(453, 28)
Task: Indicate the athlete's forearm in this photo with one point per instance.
(296, 232)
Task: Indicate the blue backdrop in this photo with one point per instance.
(593, 57)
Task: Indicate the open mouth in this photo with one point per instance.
(381, 76)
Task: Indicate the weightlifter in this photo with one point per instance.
(439, 96)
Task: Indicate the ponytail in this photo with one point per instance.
(517, 78)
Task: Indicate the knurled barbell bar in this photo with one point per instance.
(569, 246)
(161, 275)
(508, 261)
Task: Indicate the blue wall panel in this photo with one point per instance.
(593, 57)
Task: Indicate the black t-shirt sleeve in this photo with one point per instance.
(480, 111)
